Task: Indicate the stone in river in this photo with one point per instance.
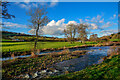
(55, 71)
(43, 71)
(50, 72)
(26, 76)
(35, 75)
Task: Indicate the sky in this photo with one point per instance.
(102, 17)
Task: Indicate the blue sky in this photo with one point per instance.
(101, 16)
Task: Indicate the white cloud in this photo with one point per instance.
(98, 17)
(88, 17)
(86, 20)
(81, 21)
(101, 21)
(22, 32)
(107, 32)
(113, 17)
(53, 3)
(93, 19)
(10, 24)
(94, 22)
(72, 22)
(26, 1)
(54, 28)
(108, 24)
(32, 31)
(34, 4)
(60, 22)
(98, 22)
(28, 5)
(94, 26)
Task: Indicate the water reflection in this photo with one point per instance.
(93, 52)
(92, 57)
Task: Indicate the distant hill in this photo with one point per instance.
(13, 36)
(6, 33)
(112, 37)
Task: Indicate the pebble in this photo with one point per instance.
(43, 71)
(56, 71)
(26, 76)
(35, 75)
(66, 68)
(50, 72)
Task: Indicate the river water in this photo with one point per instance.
(94, 53)
(94, 56)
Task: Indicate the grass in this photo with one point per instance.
(109, 69)
(116, 40)
(6, 39)
(27, 65)
(27, 46)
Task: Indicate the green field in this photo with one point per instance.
(27, 46)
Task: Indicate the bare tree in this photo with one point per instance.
(93, 37)
(82, 32)
(37, 19)
(4, 10)
(70, 32)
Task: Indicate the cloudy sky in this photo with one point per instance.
(102, 17)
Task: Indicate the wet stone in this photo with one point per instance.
(55, 71)
(35, 75)
(26, 76)
(43, 71)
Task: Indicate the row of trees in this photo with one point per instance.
(73, 31)
(93, 37)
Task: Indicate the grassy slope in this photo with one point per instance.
(115, 40)
(109, 69)
(27, 46)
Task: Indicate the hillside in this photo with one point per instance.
(112, 37)
(13, 36)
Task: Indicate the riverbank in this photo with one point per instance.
(25, 48)
(71, 46)
(20, 66)
(108, 69)
(40, 67)
(46, 65)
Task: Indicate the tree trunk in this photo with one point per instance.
(35, 45)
